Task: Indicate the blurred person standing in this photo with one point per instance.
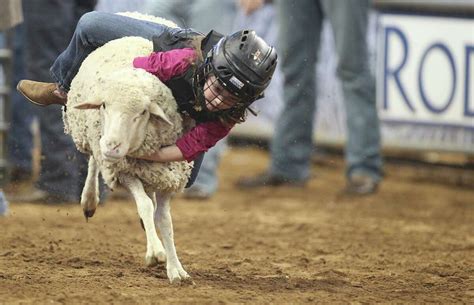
(292, 145)
(114, 6)
(236, 15)
(260, 15)
(10, 16)
(201, 16)
(203, 19)
(20, 137)
(177, 11)
(48, 26)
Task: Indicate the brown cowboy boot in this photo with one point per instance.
(41, 94)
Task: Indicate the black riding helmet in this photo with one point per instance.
(243, 63)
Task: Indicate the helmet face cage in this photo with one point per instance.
(203, 80)
(222, 99)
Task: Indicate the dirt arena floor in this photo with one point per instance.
(413, 242)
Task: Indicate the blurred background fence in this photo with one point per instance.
(422, 54)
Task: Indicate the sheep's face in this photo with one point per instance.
(124, 125)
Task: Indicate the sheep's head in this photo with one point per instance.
(124, 124)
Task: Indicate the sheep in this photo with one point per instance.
(115, 113)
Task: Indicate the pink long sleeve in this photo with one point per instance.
(201, 138)
(166, 65)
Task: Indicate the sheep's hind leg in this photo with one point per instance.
(174, 269)
(154, 249)
(90, 192)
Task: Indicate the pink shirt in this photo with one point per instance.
(166, 65)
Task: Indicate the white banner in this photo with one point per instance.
(426, 70)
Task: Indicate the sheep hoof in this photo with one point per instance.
(151, 261)
(178, 276)
(155, 258)
(88, 214)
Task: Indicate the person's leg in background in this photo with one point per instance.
(202, 18)
(4, 206)
(200, 15)
(207, 182)
(177, 11)
(203, 15)
(48, 27)
(292, 144)
(300, 23)
(114, 6)
(20, 138)
(264, 22)
(364, 163)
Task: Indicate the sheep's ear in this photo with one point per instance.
(89, 105)
(157, 111)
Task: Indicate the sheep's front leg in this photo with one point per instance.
(174, 269)
(154, 249)
(161, 255)
(90, 192)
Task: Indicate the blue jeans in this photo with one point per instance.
(177, 10)
(202, 18)
(93, 30)
(195, 171)
(3, 204)
(20, 139)
(299, 38)
(207, 179)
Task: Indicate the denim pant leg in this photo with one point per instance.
(3, 204)
(203, 14)
(177, 10)
(20, 138)
(195, 171)
(48, 26)
(299, 35)
(349, 22)
(63, 167)
(93, 30)
(207, 179)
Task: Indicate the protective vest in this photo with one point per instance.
(182, 85)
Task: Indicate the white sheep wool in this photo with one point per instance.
(107, 74)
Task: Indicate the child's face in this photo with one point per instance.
(217, 98)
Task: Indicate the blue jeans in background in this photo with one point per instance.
(3, 204)
(202, 18)
(48, 28)
(299, 39)
(20, 139)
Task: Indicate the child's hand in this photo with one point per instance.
(165, 154)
